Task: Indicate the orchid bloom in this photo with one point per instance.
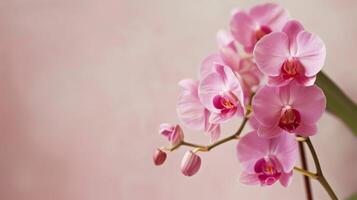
(293, 54)
(173, 133)
(289, 109)
(221, 93)
(265, 161)
(288, 105)
(245, 69)
(249, 27)
(191, 111)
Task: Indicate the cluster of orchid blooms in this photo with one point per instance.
(270, 85)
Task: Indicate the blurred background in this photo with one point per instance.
(84, 85)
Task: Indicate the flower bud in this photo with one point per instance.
(159, 157)
(190, 164)
(166, 129)
(173, 133)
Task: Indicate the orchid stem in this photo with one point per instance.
(205, 148)
(320, 177)
(307, 182)
(306, 173)
(192, 145)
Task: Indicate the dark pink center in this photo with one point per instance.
(268, 170)
(225, 102)
(261, 32)
(291, 68)
(290, 119)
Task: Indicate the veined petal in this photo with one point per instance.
(214, 131)
(249, 179)
(292, 28)
(285, 178)
(285, 149)
(270, 14)
(311, 52)
(268, 132)
(309, 101)
(209, 87)
(250, 149)
(306, 130)
(209, 64)
(190, 110)
(243, 28)
(233, 84)
(189, 86)
(271, 52)
(267, 106)
(226, 40)
(216, 118)
(278, 81)
(230, 58)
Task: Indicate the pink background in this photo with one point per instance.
(85, 84)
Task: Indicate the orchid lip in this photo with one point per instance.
(261, 31)
(225, 102)
(268, 170)
(290, 119)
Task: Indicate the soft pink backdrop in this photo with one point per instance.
(85, 83)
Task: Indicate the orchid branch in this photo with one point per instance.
(205, 148)
(319, 174)
(306, 173)
(320, 177)
(307, 181)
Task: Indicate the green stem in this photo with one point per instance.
(319, 175)
(307, 183)
(219, 142)
(223, 140)
(338, 103)
(327, 187)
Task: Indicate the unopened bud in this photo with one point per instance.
(190, 164)
(159, 157)
(177, 136)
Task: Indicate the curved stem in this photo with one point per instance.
(236, 135)
(307, 182)
(327, 187)
(184, 143)
(306, 173)
(320, 177)
(219, 142)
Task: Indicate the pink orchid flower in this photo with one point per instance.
(191, 111)
(265, 161)
(246, 70)
(173, 133)
(289, 109)
(293, 54)
(221, 93)
(249, 27)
